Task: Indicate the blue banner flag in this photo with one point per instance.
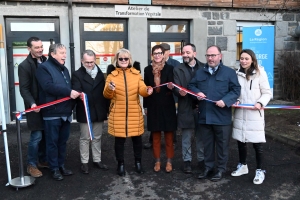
(260, 39)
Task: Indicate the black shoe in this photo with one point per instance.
(205, 174)
(101, 166)
(138, 167)
(65, 172)
(147, 145)
(217, 177)
(84, 168)
(201, 165)
(56, 175)
(187, 167)
(121, 169)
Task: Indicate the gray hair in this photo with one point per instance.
(53, 48)
(89, 53)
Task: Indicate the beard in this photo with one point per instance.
(187, 60)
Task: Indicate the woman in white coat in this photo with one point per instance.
(249, 124)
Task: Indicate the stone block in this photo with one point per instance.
(298, 46)
(288, 17)
(291, 39)
(281, 29)
(231, 44)
(224, 15)
(229, 27)
(211, 41)
(206, 15)
(279, 43)
(216, 30)
(229, 59)
(211, 22)
(11, 3)
(222, 43)
(216, 15)
(289, 46)
(219, 22)
(298, 17)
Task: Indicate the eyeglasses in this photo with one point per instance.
(211, 55)
(89, 63)
(157, 53)
(121, 59)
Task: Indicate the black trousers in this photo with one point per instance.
(215, 138)
(243, 153)
(137, 148)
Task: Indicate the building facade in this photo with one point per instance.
(107, 25)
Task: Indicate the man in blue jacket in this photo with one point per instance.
(219, 84)
(54, 83)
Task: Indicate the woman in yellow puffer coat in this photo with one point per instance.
(123, 86)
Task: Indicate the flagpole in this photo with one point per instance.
(2, 55)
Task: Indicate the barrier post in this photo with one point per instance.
(21, 181)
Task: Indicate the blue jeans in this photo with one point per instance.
(36, 148)
(57, 133)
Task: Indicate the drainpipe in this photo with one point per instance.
(71, 36)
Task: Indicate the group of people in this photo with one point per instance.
(205, 116)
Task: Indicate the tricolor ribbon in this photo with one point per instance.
(87, 114)
(246, 106)
(86, 108)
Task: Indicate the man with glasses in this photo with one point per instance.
(90, 80)
(36, 156)
(187, 110)
(218, 83)
(54, 83)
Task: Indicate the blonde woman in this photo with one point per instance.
(123, 86)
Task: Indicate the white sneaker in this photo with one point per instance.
(259, 177)
(241, 170)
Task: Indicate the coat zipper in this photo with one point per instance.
(126, 94)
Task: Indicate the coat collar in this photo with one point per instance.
(89, 79)
(130, 69)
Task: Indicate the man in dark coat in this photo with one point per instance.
(54, 83)
(219, 84)
(187, 110)
(90, 80)
(36, 155)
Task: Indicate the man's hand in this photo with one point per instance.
(170, 85)
(182, 92)
(220, 103)
(74, 94)
(201, 96)
(36, 110)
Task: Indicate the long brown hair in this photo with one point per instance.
(254, 65)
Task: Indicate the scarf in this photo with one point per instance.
(156, 68)
(92, 72)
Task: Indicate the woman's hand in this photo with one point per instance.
(112, 86)
(257, 106)
(149, 90)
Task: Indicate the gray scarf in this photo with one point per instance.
(92, 72)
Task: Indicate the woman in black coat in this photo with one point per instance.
(160, 106)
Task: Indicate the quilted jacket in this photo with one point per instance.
(249, 125)
(125, 112)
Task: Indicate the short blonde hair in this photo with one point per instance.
(122, 52)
